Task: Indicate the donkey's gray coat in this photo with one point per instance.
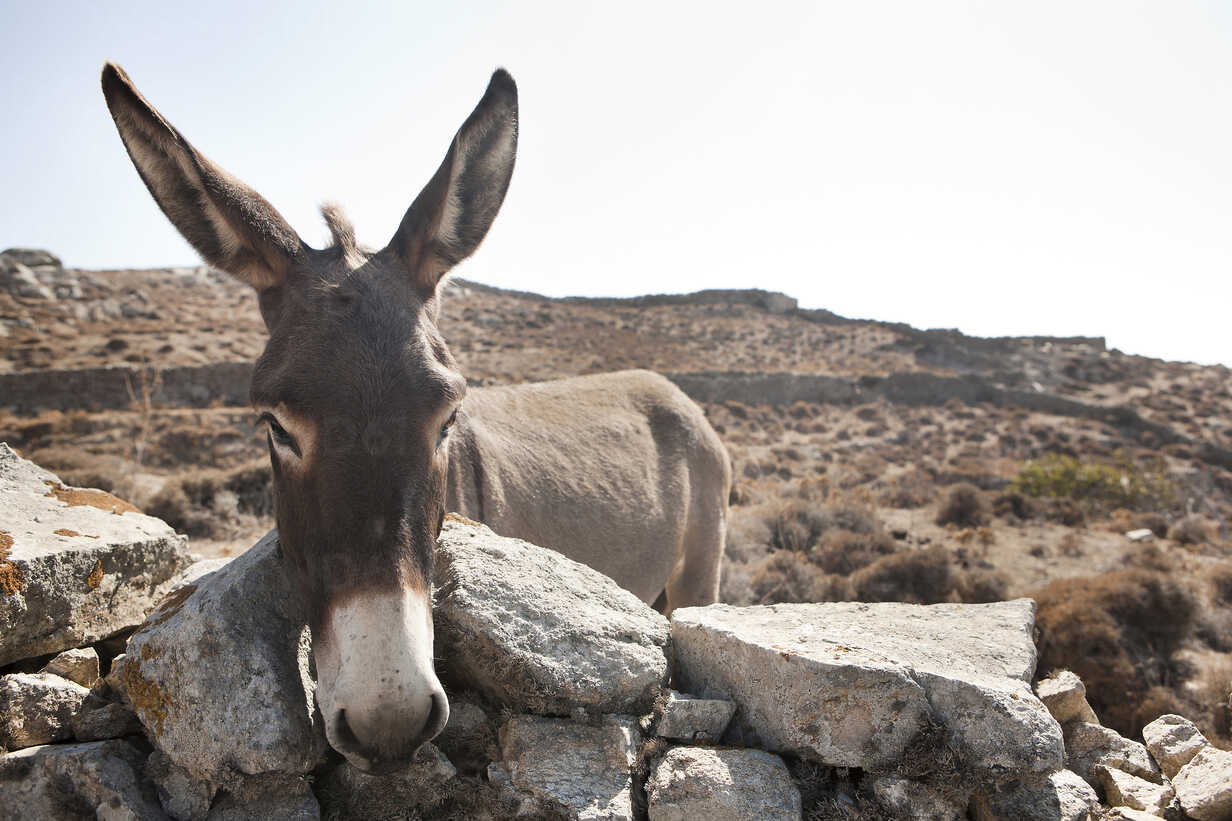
(620, 471)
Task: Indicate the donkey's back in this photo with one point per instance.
(619, 471)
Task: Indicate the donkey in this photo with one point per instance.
(370, 441)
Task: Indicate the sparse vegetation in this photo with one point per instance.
(1122, 484)
(962, 507)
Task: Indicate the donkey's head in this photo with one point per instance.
(358, 393)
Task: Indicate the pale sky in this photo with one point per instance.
(1003, 168)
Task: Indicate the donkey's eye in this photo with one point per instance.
(453, 417)
(278, 433)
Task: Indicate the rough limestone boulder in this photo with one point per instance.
(1088, 746)
(721, 785)
(76, 565)
(541, 633)
(1173, 741)
(1125, 790)
(1059, 796)
(580, 770)
(37, 708)
(218, 674)
(854, 684)
(67, 782)
(1204, 785)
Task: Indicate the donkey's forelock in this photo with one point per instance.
(340, 229)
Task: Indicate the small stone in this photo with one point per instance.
(1088, 745)
(1124, 790)
(1128, 814)
(922, 802)
(688, 718)
(1141, 535)
(1173, 741)
(183, 797)
(62, 782)
(581, 770)
(79, 665)
(266, 797)
(467, 737)
(1065, 696)
(1204, 785)
(350, 793)
(721, 785)
(37, 708)
(1060, 796)
(108, 720)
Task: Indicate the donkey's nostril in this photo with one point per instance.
(438, 717)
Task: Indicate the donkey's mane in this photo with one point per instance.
(340, 228)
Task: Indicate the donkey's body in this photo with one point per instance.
(618, 471)
(365, 408)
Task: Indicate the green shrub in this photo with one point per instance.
(1121, 484)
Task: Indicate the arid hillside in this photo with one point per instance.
(873, 461)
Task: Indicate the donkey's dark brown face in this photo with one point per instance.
(358, 393)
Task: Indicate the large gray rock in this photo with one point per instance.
(37, 708)
(1172, 741)
(721, 785)
(67, 782)
(218, 674)
(1065, 696)
(1088, 746)
(76, 565)
(1204, 785)
(1059, 796)
(580, 770)
(541, 633)
(854, 684)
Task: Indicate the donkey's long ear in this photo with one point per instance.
(452, 214)
(230, 225)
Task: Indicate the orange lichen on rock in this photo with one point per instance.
(64, 531)
(454, 517)
(101, 499)
(12, 579)
(96, 575)
(148, 698)
(167, 607)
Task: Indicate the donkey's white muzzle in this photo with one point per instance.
(378, 693)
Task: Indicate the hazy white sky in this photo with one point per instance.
(1002, 168)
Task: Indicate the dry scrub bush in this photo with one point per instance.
(1189, 530)
(963, 507)
(1118, 632)
(209, 503)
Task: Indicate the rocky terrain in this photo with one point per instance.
(874, 463)
(570, 699)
